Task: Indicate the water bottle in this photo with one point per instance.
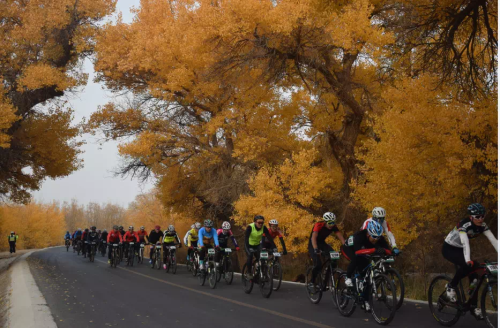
(472, 286)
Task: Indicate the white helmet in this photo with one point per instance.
(329, 217)
(226, 225)
(197, 225)
(378, 213)
(171, 228)
(192, 226)
(273, 222)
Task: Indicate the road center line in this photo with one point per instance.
(279, 314)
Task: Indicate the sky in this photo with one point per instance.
(95, 182)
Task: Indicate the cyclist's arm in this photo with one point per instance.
(282, 241)
(200, 237)
(465, 243)
(491, 238)
(177, 238)
(389, 234)
(314, 238)
(216, 237)
(247, 237)
(340, 236)
(137, 237)
(189, 240)
(233, 239)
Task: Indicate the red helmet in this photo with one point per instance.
(157, 227)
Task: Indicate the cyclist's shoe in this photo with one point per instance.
(164, 266)
(150, 261)
(248, 276)
(366, 306)
(451, 294)
(109, 261)
(477, 313)
(348, 282)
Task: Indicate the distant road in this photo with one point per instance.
(83, 294)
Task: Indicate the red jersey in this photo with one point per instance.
(131, 237)
(142, 235)
(114, 237)
(274, 234)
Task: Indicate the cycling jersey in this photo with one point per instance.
(104, 236)
(205, 237)
(465, 230)
(67, 235)
(360, 241)
(130, 237)
(224, 238)
(114, 237)
(255, 235)
(170, 237)
(142, 236)
(192, 237)
(323, 232)
(155, 236)
(271, 236)
(77, 235)
(387, 230)
(92, 236)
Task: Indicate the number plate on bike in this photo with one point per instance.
(264, 255)
(158, 246)
(142, 245)
(173, 247)
(93, 243)
(492, 268)
(350, 241)
(389, 260)
(228, 250)
(131, 243)
(277, 254)
(116, 245)
(334, 255)
(211, 251)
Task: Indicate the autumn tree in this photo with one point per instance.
(42, 47)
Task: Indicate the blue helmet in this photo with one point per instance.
(476, 209)
(374, 229)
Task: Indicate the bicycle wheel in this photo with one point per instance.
(201, 277)
(398, 282)
(314, 291)
(173, 260)
(212, 275)
(444, 311)
(383, 299)
(489, 304)
(167, 263)
(266, 281)
(194, 269)
(346, 297)
(228, 271)
(332, 284)
(158, 261)
(277, 276)
(247, 283)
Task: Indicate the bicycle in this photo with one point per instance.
(85, 249)
(375, 288)
(130, 254)
(67, 244)
(447, 313)
(385, 267)
(92, 251)
(115, 255)
(156, 257)
(225, 268)
(210, 270)
(325, 280)
(140, 254)
(170, 259)
(262, 274)
(194, 262)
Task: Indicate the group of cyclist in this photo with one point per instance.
(369, 239)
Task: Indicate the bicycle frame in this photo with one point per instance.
(464, 305)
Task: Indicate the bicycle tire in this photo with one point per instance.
(247, 283)
(174, 263)
(220, 270)
(390, 302)
(345, 296)
(266, 283)
(400, 288)
(332, 284)
(202, 277)
(488, 315)
(316, 293)
(228, 271)
(278, 274)
(212, 275)
(442, 303)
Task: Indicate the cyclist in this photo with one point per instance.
(113, 237)
(224, 234)
(155, 236)
(67, 236)
(193, 238)
(170, 238)
(207, 237)
(185, 239)
(273, 233)
(103, 237)
(129, 237)
(456, 249)
(317, 241)
(369, 238)
(378, 214)
(84, 240)
(143, 235)
(92, 236)
(254, 235)
(77, 236)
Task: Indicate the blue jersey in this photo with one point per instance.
(205, 237)
(67, 235)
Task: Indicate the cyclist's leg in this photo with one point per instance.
(456, 256)
(202, 252)
(316, 262)
(327, 248)
(110, 250)
(249, 258)
(472, 273)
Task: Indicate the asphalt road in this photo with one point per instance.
(84, 294)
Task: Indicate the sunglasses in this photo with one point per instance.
(376, 237)
(478, 217)
(259, 222)
(330, 223)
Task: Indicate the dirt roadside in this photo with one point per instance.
(6, 259)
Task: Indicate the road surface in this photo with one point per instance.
(84, 294)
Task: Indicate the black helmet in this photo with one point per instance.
(476, 209)
(258, 217)
(120, 227)
(115, 227)
(208, 223)
(86, 229)
(92, 228)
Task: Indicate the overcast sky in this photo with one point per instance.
(95, 181)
